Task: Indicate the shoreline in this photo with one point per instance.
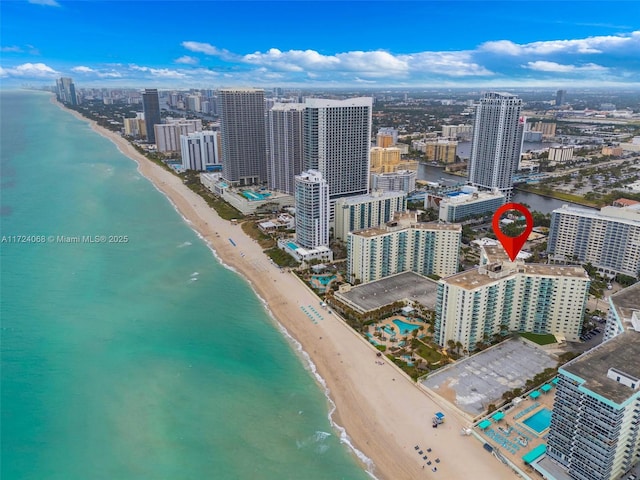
(545, 195)
(377, 411)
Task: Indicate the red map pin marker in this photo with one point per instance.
(512, 245)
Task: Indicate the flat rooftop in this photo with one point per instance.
(394, 226)
(407, 285)
(627, 300)
(622, 352)
(471, 279)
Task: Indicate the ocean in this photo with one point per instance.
(128, 350)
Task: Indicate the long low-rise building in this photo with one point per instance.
(468, 202)
(624, 312)
(403, 245)
(609, 239)
(501, 296)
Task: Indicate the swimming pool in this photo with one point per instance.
(253, 196)
(324, 280)
(539, 421)
(405, 327)
(292, 246)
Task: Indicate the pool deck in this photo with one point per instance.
(384, 326)
(503, 435)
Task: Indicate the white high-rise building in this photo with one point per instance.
(366, 211)
(497, 142)
(199, 149)
(312, 205)
(337, 138)
(609, 239)
(594, 432)
(168, 134)
(244, 152)
(403, 245)
(501, 296)
(284, 145)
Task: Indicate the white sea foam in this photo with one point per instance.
(184, 244)
(195, 274)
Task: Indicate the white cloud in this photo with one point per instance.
(544, 66)
(207, 49)
(48, 3)
(451, 64)
(98, 73)
(590, 45)
(30, 70)
(186, 59)
(13, 48)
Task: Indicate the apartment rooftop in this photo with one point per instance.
(368, 197)
(407, 220)
(480, 277)
(629, 214)
(626, 301)
(621, 353)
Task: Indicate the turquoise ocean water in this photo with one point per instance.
(138, 360)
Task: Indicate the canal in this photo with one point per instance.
(535, 202)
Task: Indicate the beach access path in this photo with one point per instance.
(384, 413)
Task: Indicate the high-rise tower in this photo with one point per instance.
(284, 145)
(151, 108)
(497, 142)
(244, 155)
(312, 204)
(561, 97)
(337, 137)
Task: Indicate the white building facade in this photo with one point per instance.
(403, 245)
(366, 211)
(337, 139)
(312, 206)
(199, 150)
(284, 145)
(500, 296)
(398, 181)
(609, 239)
(497, 142)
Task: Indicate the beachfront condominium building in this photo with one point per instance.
(497, 142)
(624, 312)
(312, 206)
(284, 145)
(244, 152)
(403, 245)
(595, 432)
(151, 108)
(609, 239)
(337, 138)
(398, 181)
(200, 150)
(501, 296)
(366, 211)
(66, 91)
(168, 134)
(468, 202)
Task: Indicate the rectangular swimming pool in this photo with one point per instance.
(539, 421)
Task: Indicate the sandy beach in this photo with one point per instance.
(384, 413)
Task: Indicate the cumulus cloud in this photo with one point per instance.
(47, 3)
(186, 59)
(159, 72)
(30, 70)
(544, 66)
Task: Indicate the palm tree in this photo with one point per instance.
(458, 347)
(451, 344)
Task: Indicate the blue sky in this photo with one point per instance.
(377, 44)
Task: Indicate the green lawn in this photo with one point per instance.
(540, 339)
(428, 353)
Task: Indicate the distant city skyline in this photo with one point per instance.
(322, 44)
